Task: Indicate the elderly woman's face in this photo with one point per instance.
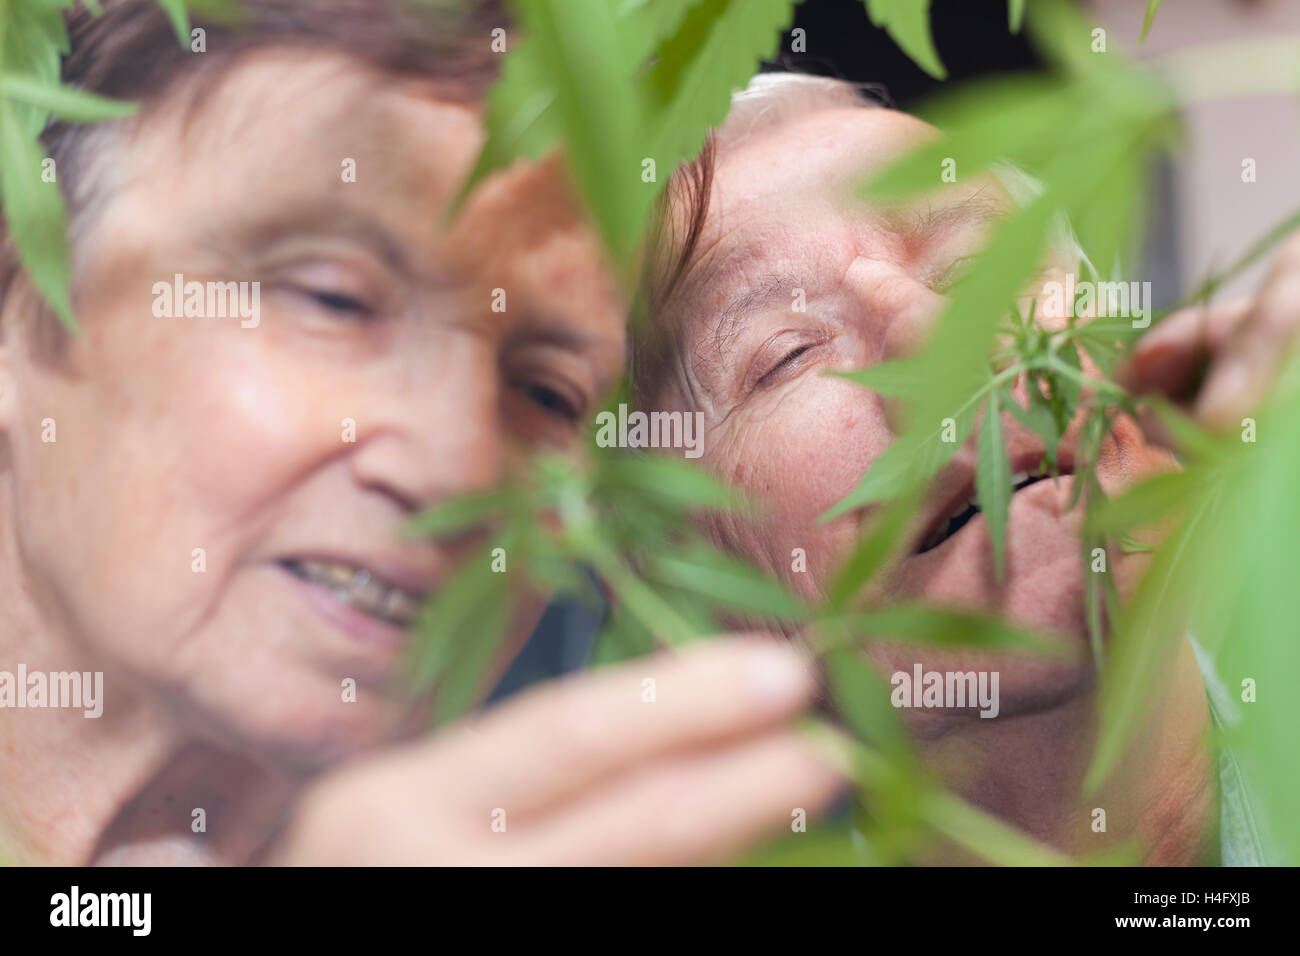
(781, 234)
(217, 521)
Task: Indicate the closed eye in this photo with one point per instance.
(789, 358)
(340, 303)
(551, 401)
(956, 270)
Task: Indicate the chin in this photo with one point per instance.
(301, 726)
(1043, 590)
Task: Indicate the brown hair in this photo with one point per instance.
(131, 51)
(681, 211)
(769, 100)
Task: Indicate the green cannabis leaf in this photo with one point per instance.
(1152, 7)
(1015, 14)
(993, 479)
(908, 23)
(69, 104)
(33, 41)
(631, 88)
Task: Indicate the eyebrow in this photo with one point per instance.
(726, 322)
(917, 225)
(545, 329)
(921, 226)
(748, 301)
(264, 228)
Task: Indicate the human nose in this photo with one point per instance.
(434, 428)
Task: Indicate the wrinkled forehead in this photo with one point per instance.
(816, 152)
(784, 196)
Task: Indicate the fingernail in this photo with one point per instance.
(777, 674)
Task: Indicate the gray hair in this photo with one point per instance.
(773, 98)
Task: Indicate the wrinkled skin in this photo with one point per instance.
(182, 433)
(799, 439)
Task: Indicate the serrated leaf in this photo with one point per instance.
(1063, 34)
(862, 700)
(465, 681)
(1152, 7)
(899, 378)
(622, 638)
(462, 513)
(519, 118)
(945, 627)
(1256, 573)
(986, 122)
(729, 581)
(1015, 14)
(33, 39)
(1143, 504)
(955, 364)
(650, 609)
(1147, 630)
(913, 459)
(714, 52)
(178, 13)
(64, 102)
(1037, 418)
(984, 834)
(35, 214)
(993, 481)
(671, 482)
(908, 23)
(576, 43)
(873, 550)
(644, 24)
(1068, 387)
(1105, 226)
(1192, 439)
(1102, 348)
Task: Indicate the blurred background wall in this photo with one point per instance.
(1217, 215)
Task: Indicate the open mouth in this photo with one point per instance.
(967, 508)
(359, 588)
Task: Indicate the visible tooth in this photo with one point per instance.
(357, 587)
(1019, 476)
(399, 607)
(392, 602)
(365, 589)
(340, 575)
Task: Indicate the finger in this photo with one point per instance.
(1241, 379)
(1171, 357)
(567, 736)
(702, 808)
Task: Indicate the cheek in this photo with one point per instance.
(171, 440)
(799, 451)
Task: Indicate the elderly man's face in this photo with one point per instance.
(218, 520)
(781, 231)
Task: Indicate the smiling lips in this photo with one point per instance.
(357, 587)
(967, 508)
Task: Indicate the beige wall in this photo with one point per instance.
(1218, 215)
